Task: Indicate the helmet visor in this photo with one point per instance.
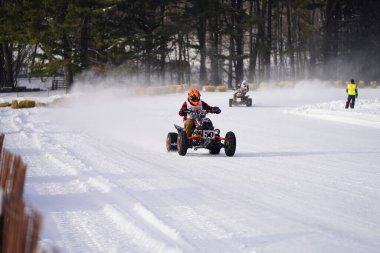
(194, 98)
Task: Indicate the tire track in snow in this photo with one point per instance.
(62, 156)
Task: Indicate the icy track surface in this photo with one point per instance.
(305, 177)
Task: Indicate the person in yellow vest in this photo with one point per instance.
(352, 92)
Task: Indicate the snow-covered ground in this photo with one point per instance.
(305, 176)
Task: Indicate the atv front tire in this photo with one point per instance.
(171, 142)
(230, 144)
(182, 143)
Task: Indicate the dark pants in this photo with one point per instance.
(350, 101)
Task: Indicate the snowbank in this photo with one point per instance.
(366, 112)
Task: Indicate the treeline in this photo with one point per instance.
(193, 41)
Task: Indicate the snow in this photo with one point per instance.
(305, 176)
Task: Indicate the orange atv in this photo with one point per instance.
(204, 136)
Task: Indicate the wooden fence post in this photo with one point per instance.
(19, 226)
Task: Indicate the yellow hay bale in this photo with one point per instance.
(209, 88)
(373, 84)
(150, 90)
(180, 88)
(286, 84)
(338, 84)
(14, 104)
(173, 88)
(361, 84)
(253, 86)
(41, 104)
(162, 90)
(221, 88)
(267, 85)
(156, 90)
(5, 104)
(58, 100)
(281, 84)
(184, 86)
(196, 86)
(27, 104)
(140, 91)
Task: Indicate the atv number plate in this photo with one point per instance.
(208, 134)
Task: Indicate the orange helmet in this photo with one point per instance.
(194, 96)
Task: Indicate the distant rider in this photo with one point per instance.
(194, 103)
(352, 92)
(242, 89)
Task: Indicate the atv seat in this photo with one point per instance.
(241, 95)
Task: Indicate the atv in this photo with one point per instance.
(203, 136)
(241, 99)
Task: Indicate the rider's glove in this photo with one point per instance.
(183, 112)
(216, 110)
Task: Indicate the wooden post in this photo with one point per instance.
(1, 143)
(19, 227)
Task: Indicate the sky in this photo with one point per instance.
(304, 178)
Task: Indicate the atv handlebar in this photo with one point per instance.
(195, 111)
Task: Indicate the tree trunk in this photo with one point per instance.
(2, 70)
(84, 43)
(252, 48)
(330, 47)
(239, 70)
(180, 60)
(202, 50)
(281, 44)
(312, 47)
(67, 61)
(162, 47)
(213, 51)
(8, 65)
(32, 63)
(67, 67)
(260, 10)
(290, 41)
(268, 48)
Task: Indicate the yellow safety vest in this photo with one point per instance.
(351, 89)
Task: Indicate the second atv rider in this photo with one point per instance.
(242, 89)
(194, 103)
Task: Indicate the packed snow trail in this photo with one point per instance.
(103, 181)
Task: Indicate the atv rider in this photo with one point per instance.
(194, 103)
(242, 89)
(352, 92)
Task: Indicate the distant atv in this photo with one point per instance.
(204, 136)
(241, 100)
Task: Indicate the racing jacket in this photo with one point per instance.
(187, 105)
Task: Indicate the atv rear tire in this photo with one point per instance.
(230, 102)
(171, 142)
(182, 143)
(249, 102)
(230, 144)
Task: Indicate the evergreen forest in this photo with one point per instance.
(190, 41)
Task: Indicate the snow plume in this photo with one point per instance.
(306, 91)
(109, 109)
(116, 78)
